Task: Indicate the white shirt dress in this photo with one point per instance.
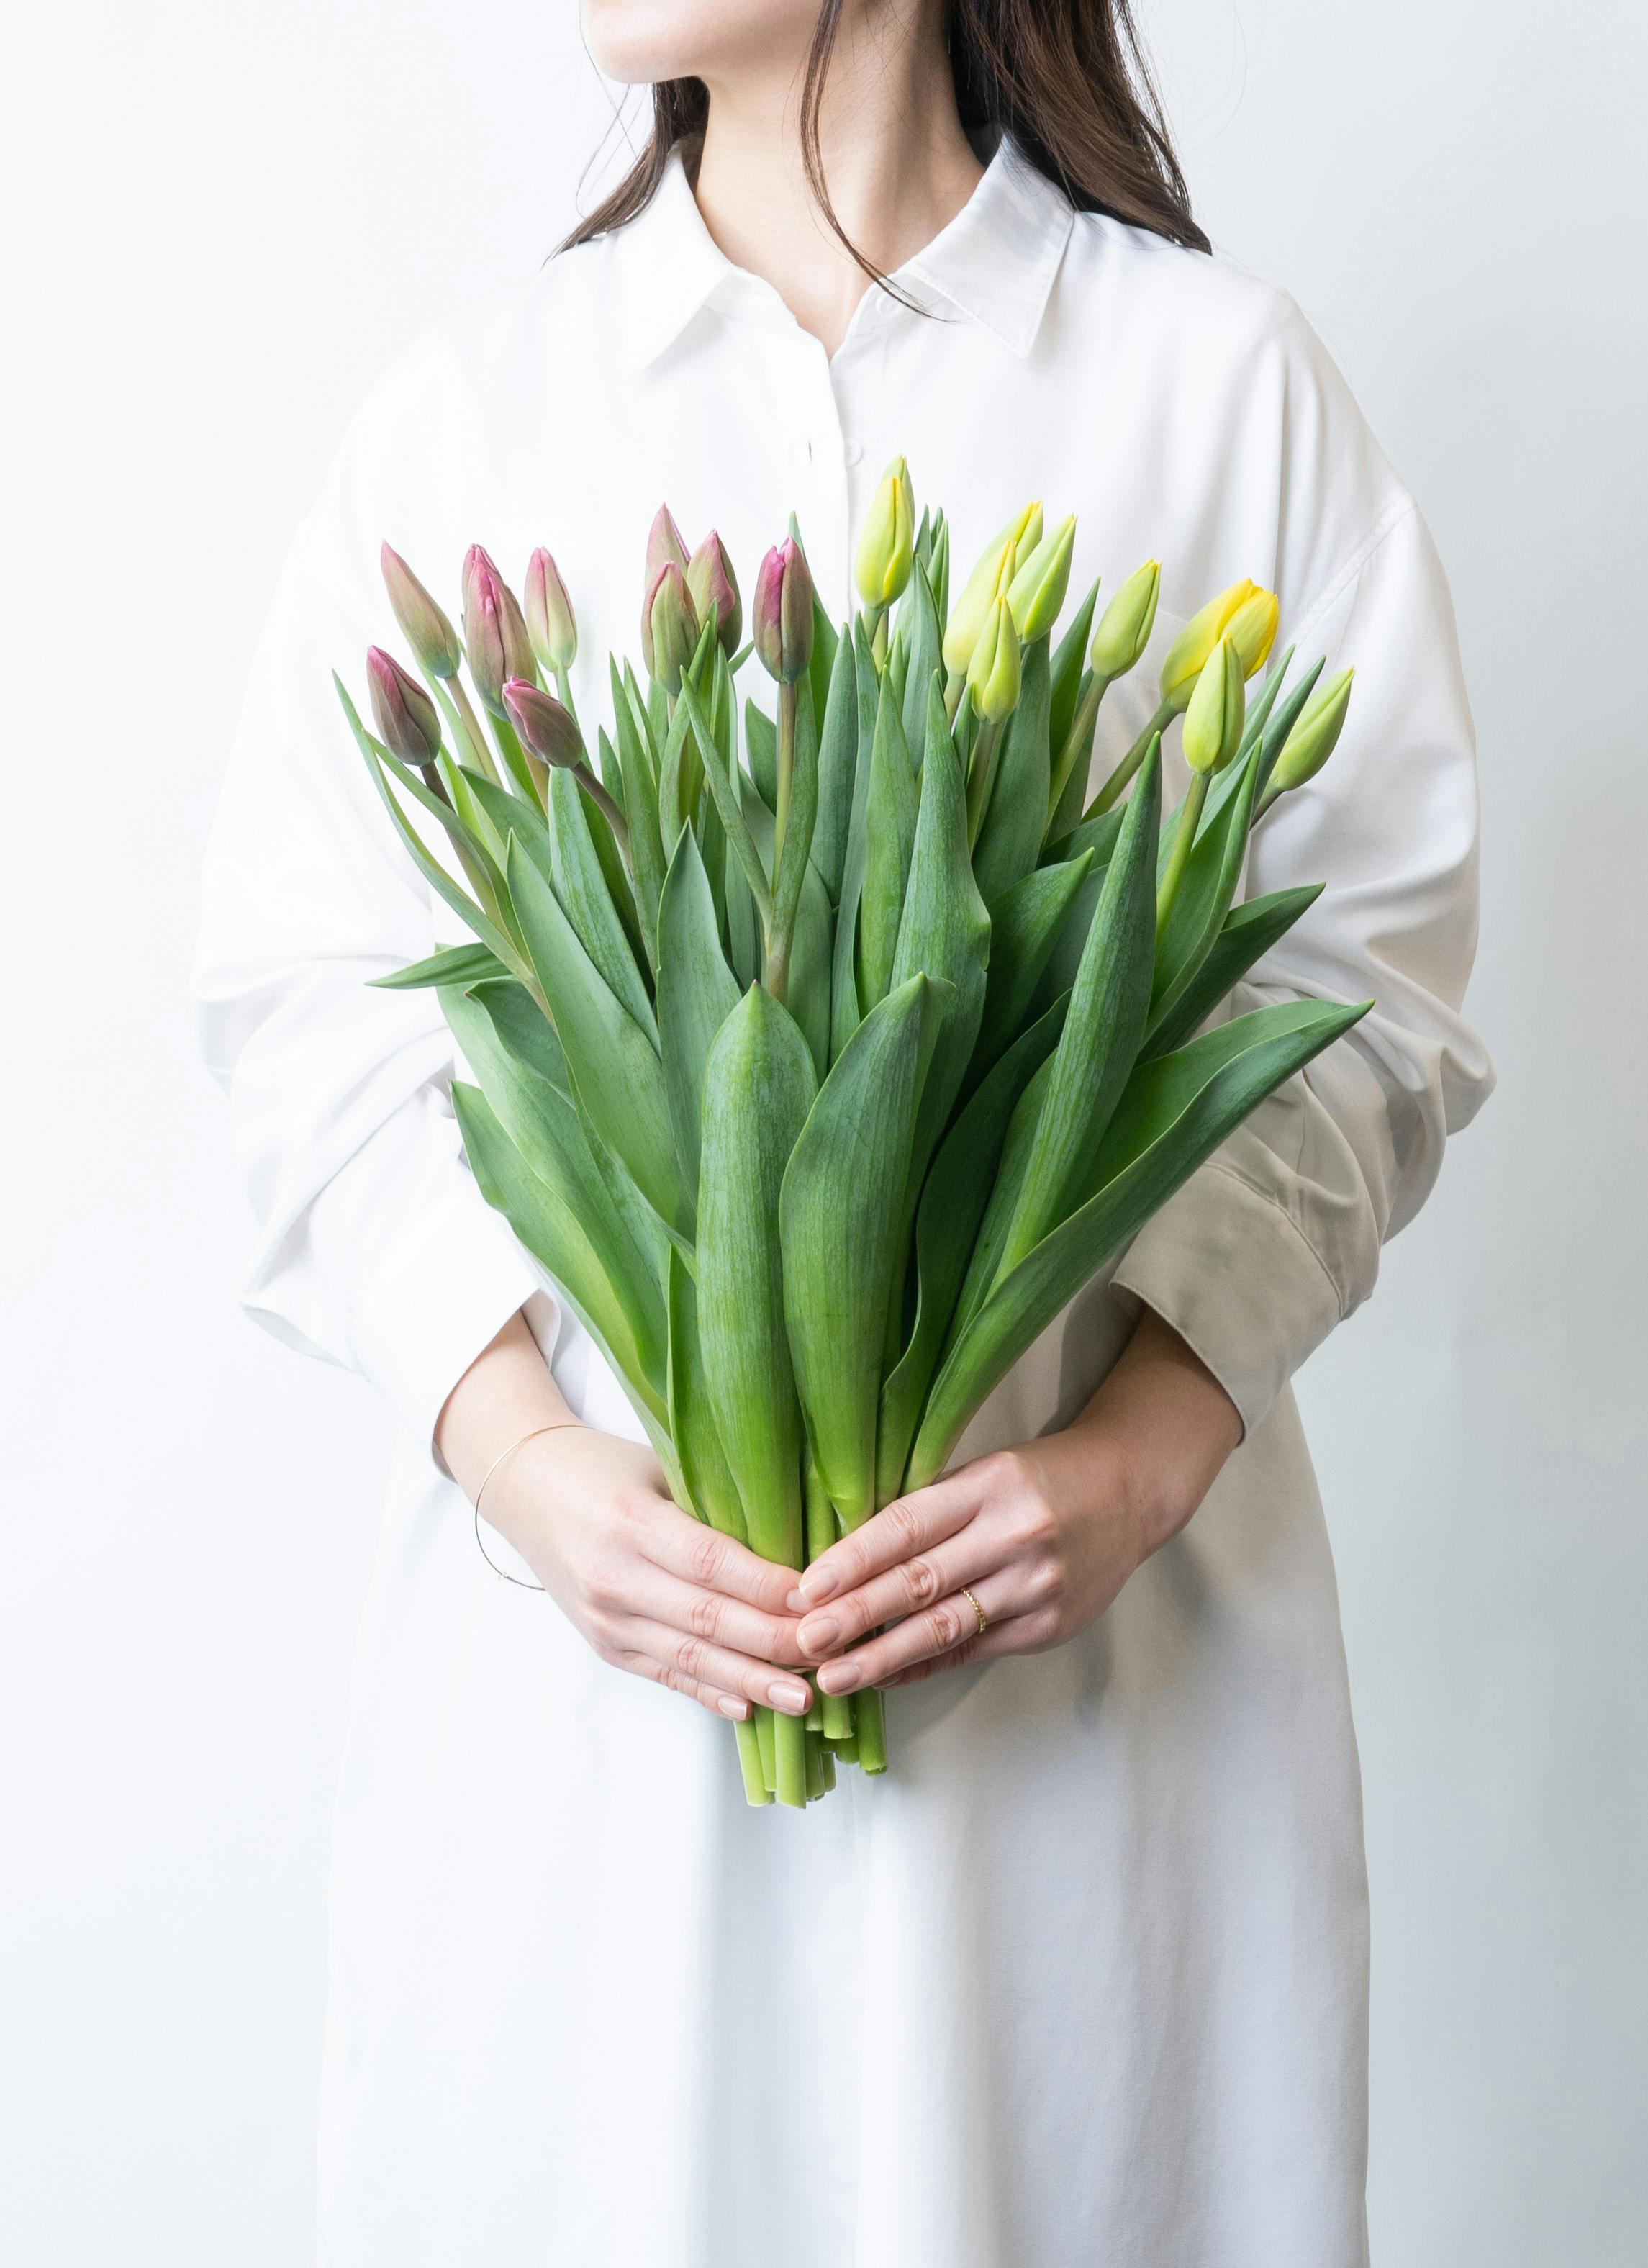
(1082, 1979)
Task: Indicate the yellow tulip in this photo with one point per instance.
(1252, 628)
(1187, 655)
(887, 545)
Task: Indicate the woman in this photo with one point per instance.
(1083, 1977)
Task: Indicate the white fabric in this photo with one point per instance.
(1083, 1977)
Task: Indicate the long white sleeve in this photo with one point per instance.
(1277, 1238)
(374, 1250)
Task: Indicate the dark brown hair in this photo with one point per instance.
(1066, 79)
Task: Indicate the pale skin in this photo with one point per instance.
(1044, 1535)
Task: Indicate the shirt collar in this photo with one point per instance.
(994, 262)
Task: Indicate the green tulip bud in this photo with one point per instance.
(1216, 712)
(1125, 626)
(1313, 739)
(1252, 628)
(407, 723)
(1038, 588)
(782, 620)
(993, 669)
(713, 588)
(669, 627)
(1187, 656)
(425, 629)
(551, 624)
(888, 544)
(990, 581)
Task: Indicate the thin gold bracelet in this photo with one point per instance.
(561, 1426)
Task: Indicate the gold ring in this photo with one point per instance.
(983, 1619)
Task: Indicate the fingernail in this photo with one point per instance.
(729, 1706)
(840, 1677)
(793, 1699)
(796, 1602)
(818, 1633)
(818, 1584)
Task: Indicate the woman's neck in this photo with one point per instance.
(896, 161)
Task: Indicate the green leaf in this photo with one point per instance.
(616, 1074)
(454, 964)
(640, 801)
(790, 865)
(759, 1086)
(1175, 1114)
(760, 742)
(1249, 933)
(581, 886)
(839, 1214)
(1103, 1029)
(837, 770)
(1068, 669)
(1211, 875)
(889, 838)
(1016, 817)
(710, 1485)
(433, 873)
(944, 930)
(561, 1222)
(953, 1205)
(846, 1006)
(1025, 926)
(925, 655)
(810, 952)
(697, 992)
(730, 804)
(514, 1022)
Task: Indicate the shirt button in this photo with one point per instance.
(852, 451)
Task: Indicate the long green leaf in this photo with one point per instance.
(759, 1086)
(889, 838)
(640, 800)
(760, 745)
(1025, 926)
(809, 992)
(1249, 931)
(697, 992)
(837, 770)
(709, 1484)
(953, 1205)
(1108, 1007)
(616, 1073)
(925, 655)
(730, 803)
(454, 964)
(838, 1216)
(846, 1002)
(581, 886)
(1016, 817)
(1175, 1115)
(1067, 670)
(1211, 875)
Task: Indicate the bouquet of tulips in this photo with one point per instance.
(819, 1073)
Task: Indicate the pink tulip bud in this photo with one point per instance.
(544, 725)
(669, 627)
(782, 621)
(407, 724)
(714, 590)
(664, 546)
(550, 622)
(495, 631)
(425, 629)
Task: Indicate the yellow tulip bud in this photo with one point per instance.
(1038, 588)
(990, 581)
(1252, 628)
(888, 544)
(1217, 710)
(1312, 742)
(993, 670)
(1126, 624)
(1187, 655)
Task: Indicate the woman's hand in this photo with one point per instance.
(1044, 1535)
(652, 1590)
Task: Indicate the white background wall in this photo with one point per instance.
(214, 224)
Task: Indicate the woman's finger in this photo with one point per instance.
(674, 1540)
(949, 1624)
(1009, 1637)
(661, 1597)
(690, 1660)
(969, 1556)
(909, 1524)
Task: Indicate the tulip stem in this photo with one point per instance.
(1111, 793)
(838, 1716)
(789, 1760)
(786, 768)
(1078, 738)
(564, 688)
(870, 1722)
(607, 805)
(467, 727)
(756, 1791)
(1184, 838)
(955, 686)
(879, 639)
